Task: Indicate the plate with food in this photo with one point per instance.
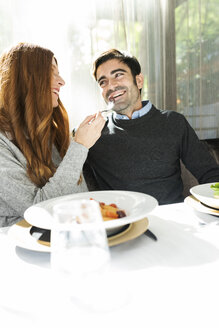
(200, 207)
(118, 207)
(26, 236)
(207, 194)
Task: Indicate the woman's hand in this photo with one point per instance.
(89, 130)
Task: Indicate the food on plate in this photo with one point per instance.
(111, 211)
(215, 187)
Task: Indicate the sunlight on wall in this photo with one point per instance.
(77, 30)
(48, 23)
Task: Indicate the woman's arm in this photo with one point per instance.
(18, 192)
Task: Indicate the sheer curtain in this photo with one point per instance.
(176, 42)
(197, 62)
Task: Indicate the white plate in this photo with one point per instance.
(136, 205)
(205, 194)
(21, 236)
(195, 204)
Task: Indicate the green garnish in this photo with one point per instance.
(215, 187)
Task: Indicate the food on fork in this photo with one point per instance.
(111, 211)
(215, 187)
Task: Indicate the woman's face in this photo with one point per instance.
(56, 83)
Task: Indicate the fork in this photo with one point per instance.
(150, 234)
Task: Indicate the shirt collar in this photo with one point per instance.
(146, 106)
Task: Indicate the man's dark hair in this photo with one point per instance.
(124, 57)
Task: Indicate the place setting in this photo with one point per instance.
(34, 232)
(78, 231)
(204, 199)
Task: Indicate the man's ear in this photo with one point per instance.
(140, 80)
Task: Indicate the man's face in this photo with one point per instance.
(118, 86)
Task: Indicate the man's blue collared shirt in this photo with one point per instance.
(138, 113)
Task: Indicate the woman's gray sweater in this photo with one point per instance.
(18, 192)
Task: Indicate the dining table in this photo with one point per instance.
(170, 282)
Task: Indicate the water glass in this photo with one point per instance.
(79, 248)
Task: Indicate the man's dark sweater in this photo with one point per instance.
(144, 155)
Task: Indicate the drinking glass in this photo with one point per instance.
(79, 249)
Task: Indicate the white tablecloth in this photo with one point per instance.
(169, 283)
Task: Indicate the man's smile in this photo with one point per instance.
(115, 96)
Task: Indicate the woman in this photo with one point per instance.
(38, 158)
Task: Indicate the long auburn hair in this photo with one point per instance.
(26, 110)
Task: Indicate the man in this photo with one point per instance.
(140, 147)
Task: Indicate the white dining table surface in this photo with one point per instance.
(171, 282)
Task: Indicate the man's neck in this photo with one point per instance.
(137, 113)
(129, 111)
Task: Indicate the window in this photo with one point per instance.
(176, 42)
(197, 65)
